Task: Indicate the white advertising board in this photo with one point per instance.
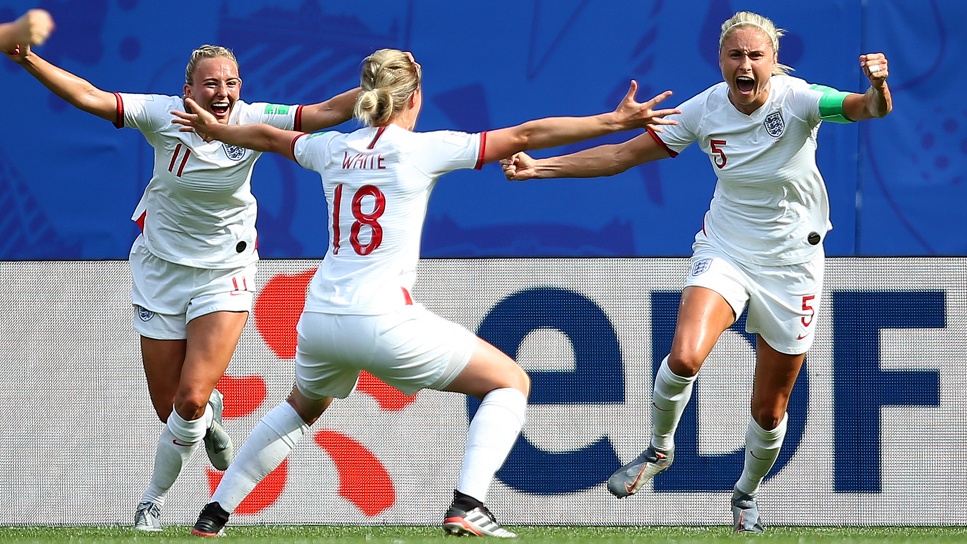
(875, 435)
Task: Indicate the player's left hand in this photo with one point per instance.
(631, 114)
(201, 122)
(876, 68)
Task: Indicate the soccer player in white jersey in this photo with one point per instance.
(359, 314)
(31, 28)
(193, 266)
(760, 245)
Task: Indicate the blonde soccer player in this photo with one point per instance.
(760, 246)
(193, 265)
(359, 314)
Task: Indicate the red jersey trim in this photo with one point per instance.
(120, 109)
(378, 134)
(292, 148)
(407, 297)
(298, 119)
(654, 135)
(483, 147)
(140, 220)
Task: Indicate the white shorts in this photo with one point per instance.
(783, 301)
(166, 296)
(410, 350)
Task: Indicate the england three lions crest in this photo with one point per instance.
(234, 152)
(774, 124)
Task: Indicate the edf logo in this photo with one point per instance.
(860, 387)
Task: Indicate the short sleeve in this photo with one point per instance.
(675, 138)
(311, 151)
(446, 150)
(831, 104)
(145, 112)
(281, 116)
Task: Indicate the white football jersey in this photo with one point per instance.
(770, 203)
(198, 209)
(377, 183)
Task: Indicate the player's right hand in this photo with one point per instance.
(34, 27)
(520, 167)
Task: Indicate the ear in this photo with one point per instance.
(412, 100)
(187, 93)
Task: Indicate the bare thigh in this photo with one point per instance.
(211, 342)
(489, 369)
(703, 315)
(162, 361)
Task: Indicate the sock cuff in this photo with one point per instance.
(769, 435)
(508, 398)
(187, 431)
(666, 375)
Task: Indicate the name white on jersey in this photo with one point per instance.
(377, 184)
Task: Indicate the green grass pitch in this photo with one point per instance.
(528, 535)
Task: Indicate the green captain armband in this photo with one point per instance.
(831, 104)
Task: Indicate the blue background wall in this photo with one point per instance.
(69, 181)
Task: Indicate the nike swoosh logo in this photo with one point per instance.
(801, 336)
(175, 442)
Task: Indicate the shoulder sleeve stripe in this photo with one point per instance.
(831, 104)
(654, 135)
(292, 148)
(298, 119)
(120, 111)
(483, 147)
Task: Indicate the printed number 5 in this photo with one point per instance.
(715, 149)
(807, 308)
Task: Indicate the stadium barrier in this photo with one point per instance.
(875, 437)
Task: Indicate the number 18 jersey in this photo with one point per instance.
(377, 182)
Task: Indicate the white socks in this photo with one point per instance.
(178, 442)
(493, 432)
(668, 403)
(266, 447)
(761, 450)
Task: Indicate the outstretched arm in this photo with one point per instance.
(330, 113)
(258, 137)
(31, 28)
(558, 131)
(604, 160)
(877, 101)
(76, 91)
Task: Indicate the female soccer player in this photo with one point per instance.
(193, 266)
(359, 314)
(761, 242)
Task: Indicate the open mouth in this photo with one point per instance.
(220, 109)
(744, 84)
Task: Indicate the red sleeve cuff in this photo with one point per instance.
(654, 135)
(483, 147)
(120, 109)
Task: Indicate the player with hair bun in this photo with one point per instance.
(359, 314)
(760, 245)
(193, 266)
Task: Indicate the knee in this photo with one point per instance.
(768, 418)
(685, 365)
(191, 403)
